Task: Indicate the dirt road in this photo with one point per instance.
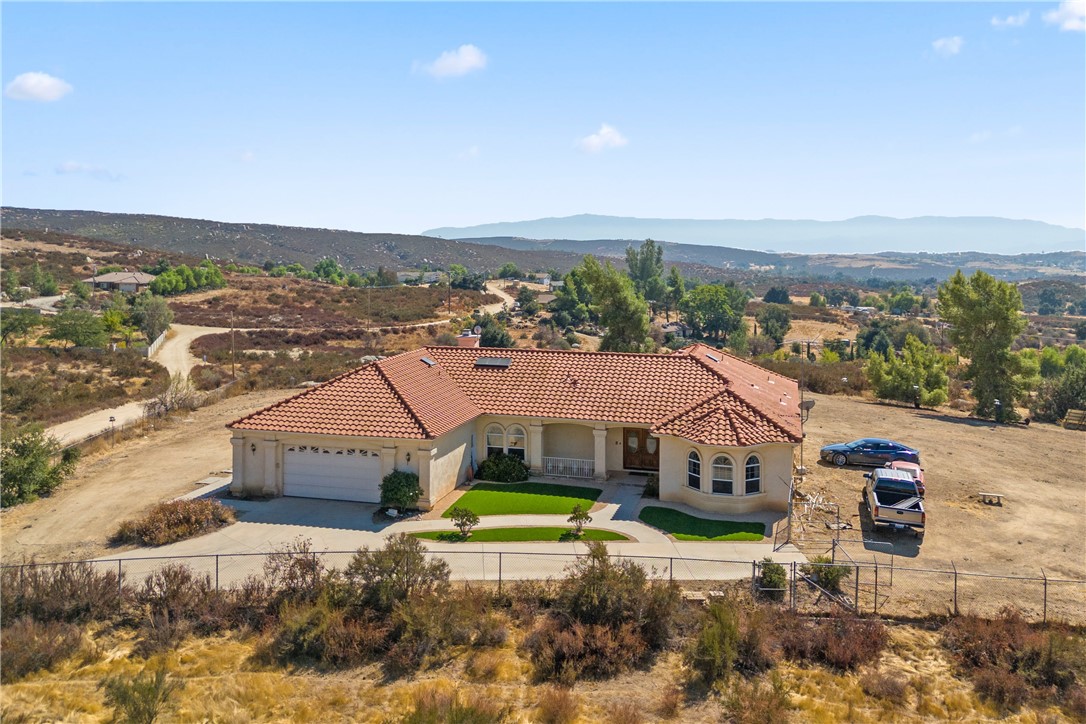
(174, 355)
(125, 481)
(497, 287)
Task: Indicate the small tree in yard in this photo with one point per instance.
(27, 470)
(579, 519)
(464, 519)
(401, 490)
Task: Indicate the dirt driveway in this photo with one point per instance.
(1042, 523)
(122, 483)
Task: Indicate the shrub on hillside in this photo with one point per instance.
(568, 652)
(756, 701)
(173, 521)
(1006, 689)
(141, 699)
(713, 652)
(400, 489)
(382, 578)
(63, 592)
(502, 468)
(30, 646)
(295, 572)
(843, 642)
(434, 705)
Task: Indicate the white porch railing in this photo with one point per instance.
(569, 468)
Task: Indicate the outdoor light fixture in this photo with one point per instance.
(408, 457)
(252, 447)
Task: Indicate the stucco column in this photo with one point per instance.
(535, 448)
(388, 460)
(271, 468)
(237, 482)
(425, 456)
(600, 435)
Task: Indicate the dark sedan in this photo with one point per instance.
(869, 451)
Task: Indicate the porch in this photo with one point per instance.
(590, 452)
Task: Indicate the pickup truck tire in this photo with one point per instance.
(840, 460)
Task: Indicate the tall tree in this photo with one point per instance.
(917, 376)
(17, 322)
(572, 305)
(152, 315)
(79, 327)
(983, 316)
(27, 467)
(620, 309)
(645, 267)
(775, 320)
(777, 295)
(714, 310)
(676, 290)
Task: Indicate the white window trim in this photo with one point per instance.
(496, 429)
(746, 463)
(713, 478)
(700, 473)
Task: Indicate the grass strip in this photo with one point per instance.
(688, 527)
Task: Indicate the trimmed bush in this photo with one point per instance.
(464, 520)
(502, 468)
(30, 646)
(652, 486)
(400, 489)
(174, 521)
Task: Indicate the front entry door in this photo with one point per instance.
(640, 451)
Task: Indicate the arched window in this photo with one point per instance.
(723, 475)
(753, 476)
(693, 470)
(514, 437)
(495, 440)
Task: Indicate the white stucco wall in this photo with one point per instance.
(776, 462)
(449, 462)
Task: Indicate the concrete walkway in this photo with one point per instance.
(267, 525)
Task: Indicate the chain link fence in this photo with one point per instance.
(862, 586)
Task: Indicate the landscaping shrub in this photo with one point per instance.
(174, 521)
(557, 705)
(502, 468)
(30, 646)
(382, 578)
(826, 573)
(757, 701)
(433, 705)
(400, 489)
(464, 519)
(140, 700)
(774, 580)
(63, 592)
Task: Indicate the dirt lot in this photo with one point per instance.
(1042, 523)
(123, 482)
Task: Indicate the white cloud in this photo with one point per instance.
(948, 46)
(40, 87)
(1070, 15)
(452, 63)
(606, 137)
(70, 168)
(1011, 21)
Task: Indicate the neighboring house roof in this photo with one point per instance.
(121, 277)
(468, 340)
(718, 400)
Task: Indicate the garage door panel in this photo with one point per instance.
(332, 473)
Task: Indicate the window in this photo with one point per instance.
(754, 475)
(515, 441)
(495, 440)
(693, 470)
(723, 475)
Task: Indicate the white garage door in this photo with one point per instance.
(334, 473)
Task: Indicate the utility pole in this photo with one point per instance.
(233, 368)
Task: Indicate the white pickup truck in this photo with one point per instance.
(893, 500)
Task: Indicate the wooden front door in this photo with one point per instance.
(640, 450)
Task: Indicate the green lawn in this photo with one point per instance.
(496, 535)
(525, 499)
(687, 527)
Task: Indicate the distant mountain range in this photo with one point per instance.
(861, 235)
(257, 243)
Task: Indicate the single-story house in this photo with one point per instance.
(123, 281)
(719, 431)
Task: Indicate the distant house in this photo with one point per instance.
(719, 431)
(557, 284)
(426, 277)
(122, 281)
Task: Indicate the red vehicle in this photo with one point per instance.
(912, 469)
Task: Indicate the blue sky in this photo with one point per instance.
(403, 117)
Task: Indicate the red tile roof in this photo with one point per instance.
(718, 400)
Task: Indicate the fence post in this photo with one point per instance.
(499, 573)
(792, 588)
(120, 573)
(1044, 615)
(875, 605)
(856, 601)
(671, 570)
(955, 567)
(753, 576)
(216, 572)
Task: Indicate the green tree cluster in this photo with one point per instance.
(715, 311)
(984, 319)
(27, 467)
(529, 307)
(775, 321)
(572, 305)
(777, 295)
(645, 267)
(917, 376)
(619, 308)
(80, 328)
(182, 278)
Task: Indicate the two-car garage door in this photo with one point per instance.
(313, 471)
